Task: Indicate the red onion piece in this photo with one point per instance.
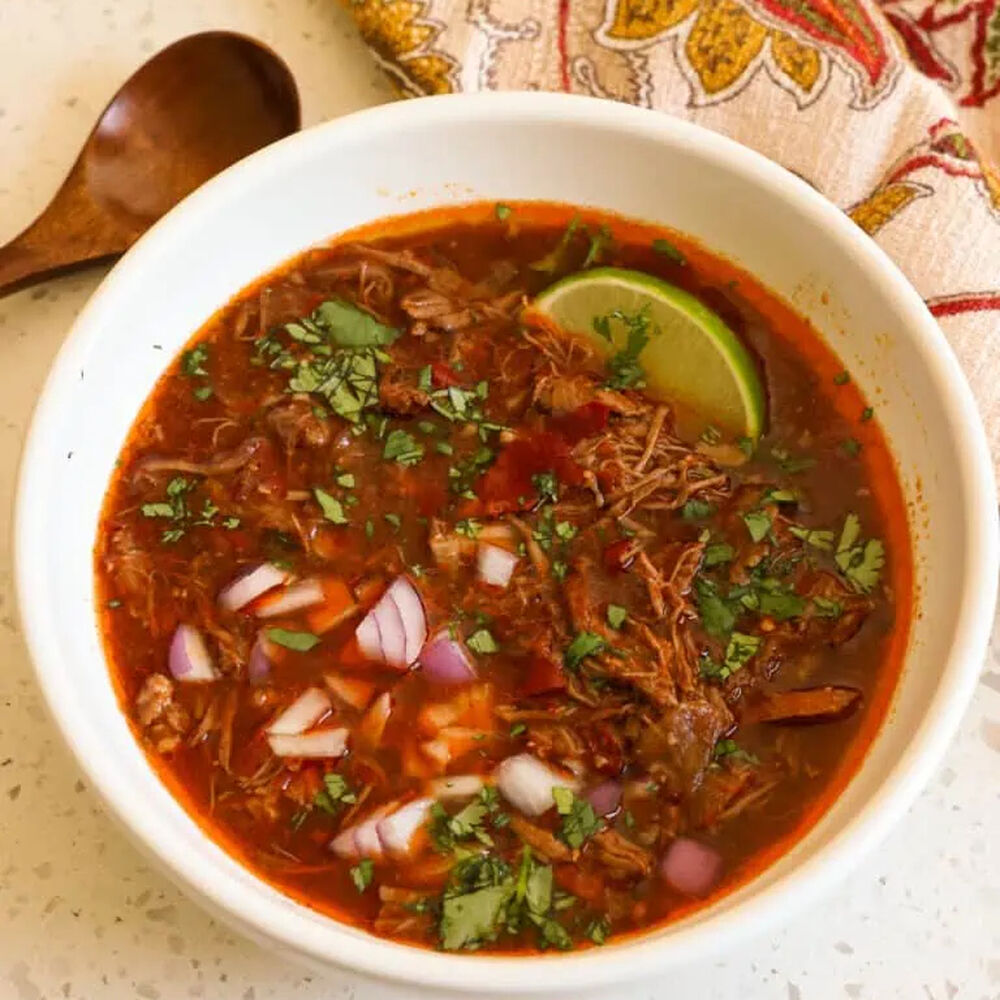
(189, 659)
(395, 629)
(445, 661)
(391, 630)
(369, 638)
(250, 585)
(302, 714)
(397, 831)
(526, 783)
(345, 844)
(295, 597)
(457, 786)
(495, 565)
(411, 609)
(259, 665)
(367, 839)
(605, 797)
(691, 867)
(319, 744)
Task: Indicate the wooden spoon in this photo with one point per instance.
(192, 110)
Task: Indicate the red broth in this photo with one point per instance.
(677, 679)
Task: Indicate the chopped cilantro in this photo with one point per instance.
(468, 527)
(517, 729)
(333, 509)
(502, 211)
(334, 793)
(696, 510)
(584, 644)
(344, 325)
(667, 249)
(425, 379)
(866, 414)
(624, 370)
(740, 651)
(746, 445)
(369, 528)
(758, 523)
(202, 392)
(732, 750)
(346, 479)
(841, 378)
(780, 496)
(300, 642)
(825, 607)
(818, 539)
(403, 447)
(861, 564)
(598, 930)
(361, 874)
(394, 519)
(791, 464)
(580, 822)
(482, 641)
(547, 486)
(600, 240)
(717, 617)
(616, 615)
(443, 448)
(851, 447)
(560, 570)
(555, 259)
(347, 381)
(193, 361)
(718, 553)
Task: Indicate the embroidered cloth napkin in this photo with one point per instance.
(891, 109)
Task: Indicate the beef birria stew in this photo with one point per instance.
(437, 609)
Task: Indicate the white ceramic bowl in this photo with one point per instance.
(506, 146)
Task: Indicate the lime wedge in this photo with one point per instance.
(692, 359)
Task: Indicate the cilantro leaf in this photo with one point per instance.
(580, 821)
(547, 486)
(472, 917)
(758, 523)
(403, 447)
(695, 510)
(818, 539)
(718, 553)
(624, 370)
(666, 249)
(502, 211)
(860, 564)
(334, 793)
(300, 642)
(346, 325)
(584, 644)
(740, 651)
(361, 874)
(482, 641)
(333, 509)
(717, 617)
(555, 259)
(193, 360)
(616, 615)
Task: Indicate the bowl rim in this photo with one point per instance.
(637, 956)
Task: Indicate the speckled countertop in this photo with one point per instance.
(81, 914)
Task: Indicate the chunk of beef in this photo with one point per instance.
(296, 424)
(164, 719)
(818, 704)
(546, 845)
(622, 857)
(398, 394)
(683, 739)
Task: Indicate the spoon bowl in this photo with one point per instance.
(198, 106)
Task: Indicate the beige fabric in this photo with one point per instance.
(891, 110)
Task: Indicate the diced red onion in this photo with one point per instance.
(691, 867)
(445, 661)
(189, 659)
(295, 597)
(394, 631)
(526, 783)
(411, 610)
(391, 631)
(250, 585)
(457, 786)
(345, 844)
(397, 830)
(495, 565)
(371, 728)
(302, 714)
(318, 744)
(369, 638)
(259, 665)
(605, 797)
(361, 840)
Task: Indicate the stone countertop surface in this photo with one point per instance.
(81, 913)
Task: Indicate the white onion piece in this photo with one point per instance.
(411, 610)
(445, 661)
(302, 714)
(319, 744)
(526, 783)
(605, 797)
(457, 786)
(495, 565)
(259, 665)
(397, 830)
(295, 597)
(391, 631)
(691, 867)
(251, 585)
(189, 659)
